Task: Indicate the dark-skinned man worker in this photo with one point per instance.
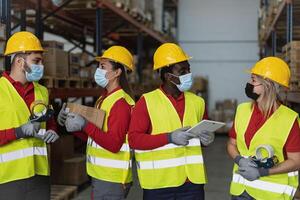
(24, 169)
(169, 159)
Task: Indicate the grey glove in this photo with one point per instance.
(180, 137)
(28, 130)
(244, 162)
(74, 122)
(62, 115)
(206, 138)
(50, 136)
(252, 173)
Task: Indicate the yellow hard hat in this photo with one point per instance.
(23, 41)
(118, 54)
(168, 54)
(274, 69)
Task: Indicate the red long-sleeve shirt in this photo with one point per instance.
(117, 124)
(140, 128)
(256, 122)
(27, 94)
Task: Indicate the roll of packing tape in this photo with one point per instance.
(264, 147)
(40, 112)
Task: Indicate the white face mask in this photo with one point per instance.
(186, 82)
(37, 72)
(100, 78)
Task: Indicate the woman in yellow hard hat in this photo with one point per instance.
(108, 153)
(24, 169)
(169, 159)
(265, 138)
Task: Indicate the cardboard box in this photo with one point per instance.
(2, 32)
(75, 171)
(85, 72)
(93, 115)
(2, 64)
(71, 171)
(2, 47)
(53, 44)
(74, 59)
(199, 84)
(74, 71)
(63, 148)
(56, 63)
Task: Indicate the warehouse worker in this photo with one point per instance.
(108, 153)
(169, 159)
(265, 124)
(24, 169)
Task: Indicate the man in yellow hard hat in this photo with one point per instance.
(169, 159)
(24, 169)
(265, 125)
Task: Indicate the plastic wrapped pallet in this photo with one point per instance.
(158, 13)
(2, 32)
(137, 7)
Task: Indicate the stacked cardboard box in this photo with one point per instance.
(74, 64)
(55, 59)
(291, 54)
(2, 47)
(67, 168)
(224, 112)
(267, 13)
(200, 86)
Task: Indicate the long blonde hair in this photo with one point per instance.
(270, 99)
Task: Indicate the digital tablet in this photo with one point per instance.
(206, 125)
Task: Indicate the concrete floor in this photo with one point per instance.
(218, 166)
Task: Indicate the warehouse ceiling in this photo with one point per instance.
(77, 20)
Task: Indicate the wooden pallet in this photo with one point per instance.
(86, 83)
(292, 56)
(294, 45)
(63, 192)
(56, 82)
(75, 82)
(295, 84)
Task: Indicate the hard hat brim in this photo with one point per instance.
(249, 72)
(10, 53)
(99, 58)
(159, 67)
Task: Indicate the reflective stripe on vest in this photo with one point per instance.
(103, 164)
(125, 147)
(192, 143)
(119, 164)
(274, 132)
(23, 153)
(21, 158)
(174, 162)
(170, 165)
(264, 185)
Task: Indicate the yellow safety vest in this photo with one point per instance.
(22, 158)
(274, 132)
(170, 165)
(103, 164)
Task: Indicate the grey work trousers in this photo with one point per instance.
(104, 190)
(33, 188)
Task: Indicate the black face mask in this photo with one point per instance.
(249, 92)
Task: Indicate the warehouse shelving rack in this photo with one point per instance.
(97, 23)
(284, 28)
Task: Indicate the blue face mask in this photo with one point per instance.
(37, 72)
(100, 78)
(186, 82)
